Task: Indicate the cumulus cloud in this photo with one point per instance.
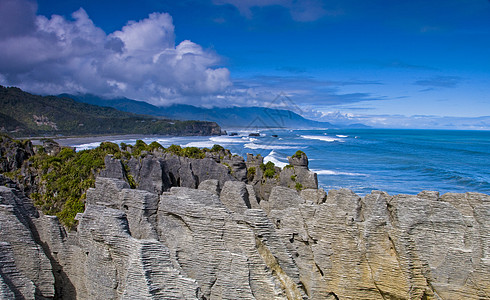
(140, 61)
(300, 10)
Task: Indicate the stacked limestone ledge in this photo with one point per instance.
(217, 237)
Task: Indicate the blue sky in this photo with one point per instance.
(418, 64)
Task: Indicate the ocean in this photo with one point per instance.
(363, 160)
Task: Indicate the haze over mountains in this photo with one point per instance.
(229, 117)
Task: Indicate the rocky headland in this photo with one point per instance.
(166, 226)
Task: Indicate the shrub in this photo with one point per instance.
(269, 173)
(193, 152)
(65, 178)
(251, 173)
(298, 154)
(140, 146)
(124, 146)
(155, 145)
(175, 149)
(268, 169)
(217, 148)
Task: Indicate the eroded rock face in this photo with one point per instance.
(212, 243)
(25, 269)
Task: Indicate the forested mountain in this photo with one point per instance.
(25, 114)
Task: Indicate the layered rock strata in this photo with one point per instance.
(211, 243)
(206, 229)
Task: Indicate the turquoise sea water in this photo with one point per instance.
(395, 161)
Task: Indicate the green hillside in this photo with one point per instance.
(24, 114)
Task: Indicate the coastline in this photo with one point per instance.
(391, 160)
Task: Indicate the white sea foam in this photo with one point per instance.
(227, 140)
(271, 147)
(164, 142)
(202, 144)
(342, 136)
(330, 172)
(87, 146)
(272, 156)
(321, 138)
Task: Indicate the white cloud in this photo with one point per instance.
(300, 10)
(399, 121)
(140, 61)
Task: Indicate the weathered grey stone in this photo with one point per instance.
(140, 206)
(238, 167)
(219, 249)
(252, 197)
(150, 174)
(113, 168)
(428, 195)
(235, 197)
(314, 196)
(254, 161)
(283, 198)
(298, 161)
(210, 185)
(189, 196)
(51, 147)
(190, 243)
(17, 230)
(13, 284)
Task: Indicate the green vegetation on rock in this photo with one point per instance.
(65, 177)
(298, 154)
(268, 169)
(251, 173)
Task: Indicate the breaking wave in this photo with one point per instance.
(322, 138)
(274, 157)
(330, 172)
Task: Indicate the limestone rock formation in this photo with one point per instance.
(192, 230)
(210, 244)
(25, 269)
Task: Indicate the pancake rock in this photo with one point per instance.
(197, 229)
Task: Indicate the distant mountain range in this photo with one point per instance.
(228, 117)
(24, 114)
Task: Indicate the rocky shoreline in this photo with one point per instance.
(210, 229)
